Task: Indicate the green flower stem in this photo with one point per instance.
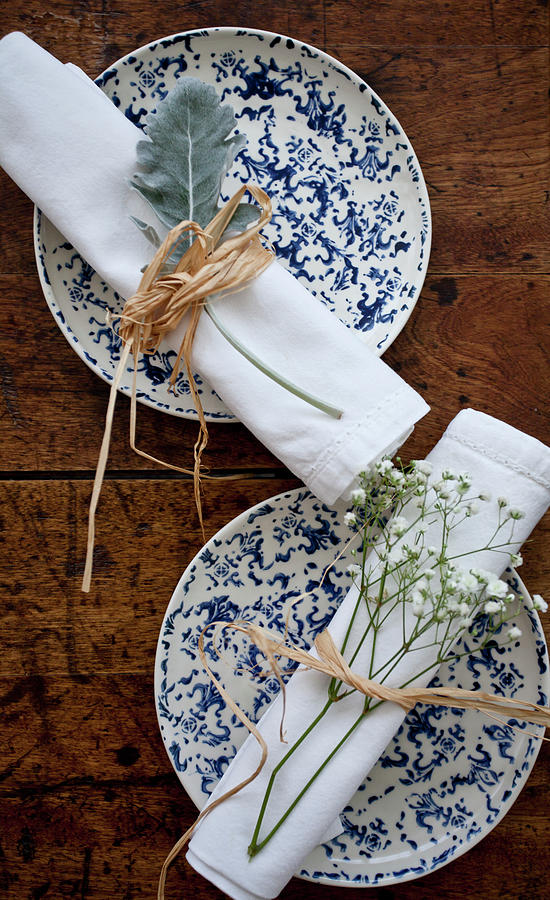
(406, 649)
(377, 614)
(335, 684)
(403, 622)
(495, 547)
(381, 621)
(446, 634)
(278, 379)
(382, 597)
(254, 846)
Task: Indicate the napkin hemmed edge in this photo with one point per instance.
(516, 443)
(365, 442)
(219, 880)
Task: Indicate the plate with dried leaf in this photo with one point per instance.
(352, 216)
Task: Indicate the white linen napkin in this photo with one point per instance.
(501, 460)
(72, 152)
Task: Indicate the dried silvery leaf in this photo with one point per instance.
(148, 231)
(184, 161)
(187, 156)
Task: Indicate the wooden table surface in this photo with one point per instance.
(89, 803)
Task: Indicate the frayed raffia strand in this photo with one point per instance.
(159, 306)
(178, 847)
(330, 661)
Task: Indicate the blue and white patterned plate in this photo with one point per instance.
(447, 777)
(352, 216)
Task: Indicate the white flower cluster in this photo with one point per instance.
(461, 595)
(440, 592)
(398, 526)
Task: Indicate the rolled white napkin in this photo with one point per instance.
(501, 460)
(72, 152)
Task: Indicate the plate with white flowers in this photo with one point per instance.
(445, 779)
(352, 216)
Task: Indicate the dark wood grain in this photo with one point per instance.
(90, 806)
(402, 23)
(147, 533)
(89, 803)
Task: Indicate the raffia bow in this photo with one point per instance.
(328, 659)
(158, 307)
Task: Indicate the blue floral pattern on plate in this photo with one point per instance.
(447, 777)
(351, 220)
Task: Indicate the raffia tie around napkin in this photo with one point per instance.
(328, 659)
(159, 305)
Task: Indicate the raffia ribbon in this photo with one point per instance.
(328, 659)
(158, 307)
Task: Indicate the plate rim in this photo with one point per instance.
(235, 31)
(124, 390)
(324, 880)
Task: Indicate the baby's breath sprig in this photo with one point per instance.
(433, 592)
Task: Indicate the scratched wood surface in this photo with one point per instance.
(89, 804)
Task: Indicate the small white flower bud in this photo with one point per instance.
(514, 632)
(492, 606)
(516, 514)
(482, 575)
(497, 588)
(447, 475)
(422, 465)
(539, 603)
(442, 490)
